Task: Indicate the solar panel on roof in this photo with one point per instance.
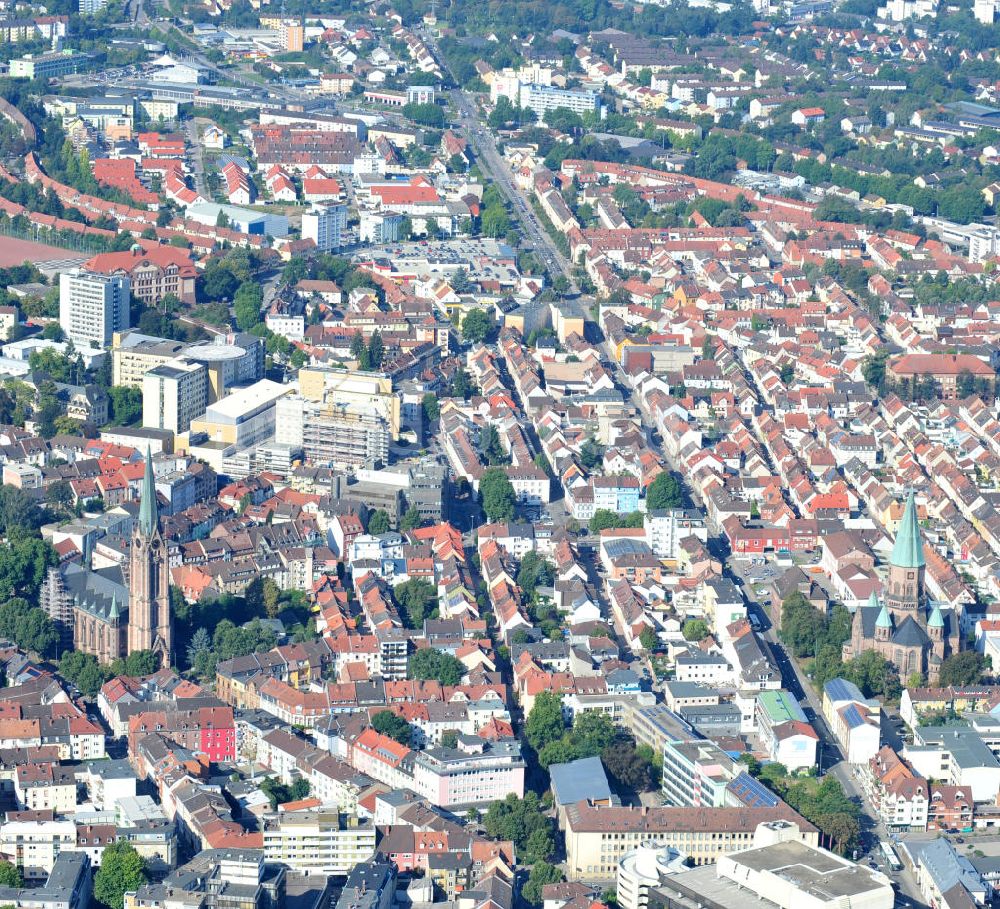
(753, 793)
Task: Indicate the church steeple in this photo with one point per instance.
(148, 510)
(150, 623)
(905, 588)
(883, 625)
(908, 550)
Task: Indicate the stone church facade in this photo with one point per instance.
(902, 627)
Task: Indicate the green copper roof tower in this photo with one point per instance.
(908, 551)
(884, 620)
(148, 511)
(937, 619)
(873, 601)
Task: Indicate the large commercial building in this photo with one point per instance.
(360, 391)
(48, 66)
(795, 874)
(92, 307)
(697, 772)
(243, 418)
(325, 226)
(597, 837)
(236, 358)
(232, 359)
(778, 871)
(318, 841)
(425, 485)
(380, 227)
(336, 437)
(134, 354)
(474, 773)
(643, 869)
(332, 436)
(340, 419)
(174, 394)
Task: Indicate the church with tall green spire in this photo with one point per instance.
(116, 612)
(150, 624)
(912, 634)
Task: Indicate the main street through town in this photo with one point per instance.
(483, 143)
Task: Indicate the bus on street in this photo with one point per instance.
(891, 859)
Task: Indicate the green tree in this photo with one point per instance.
(542, 873)
(393, 726)
(873, 369)
(494, 221)
(874, 675)
(429, 663)
(965, 668)
(461, 386)
(26, 560)
(200, 643)
(497, 494)
(590, 735)
(122, 871)
(126, 404)
(801, 624)
(695, 630)
(591, 454)
(534, 571)
(412, 519)
(545, 722)
(961, 203)
(592, 732)
(648, 639)
(522, 821)
(417, 598)
(626, 766)
(491, 447)
(376, 350)
(28, 627)
(18, 511)
(432, 410)
(10, 876)
(83, 670)
(230, 640)
(604, 519)
(477, 326)
(59, 496)
(247, 304)
(425, 114)
(379, 523)
(139, 663)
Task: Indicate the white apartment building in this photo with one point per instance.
(380, 227)
(174, 394)
(325, 225)
(665, 529)
(318, 842)
(92, 307)
(34, 845)
(542, 98)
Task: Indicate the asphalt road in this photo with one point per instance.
(483, 143)
(198, 155)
